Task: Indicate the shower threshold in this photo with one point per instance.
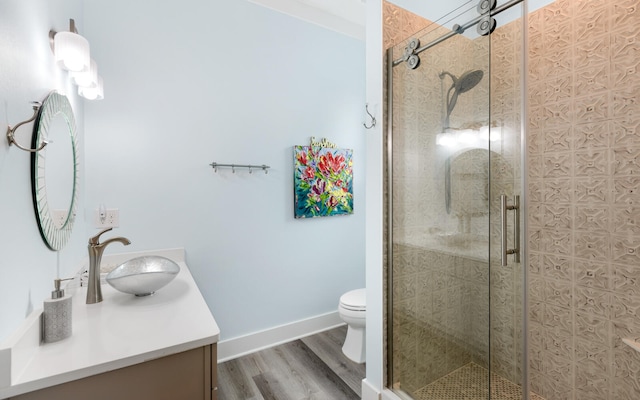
(469, 382)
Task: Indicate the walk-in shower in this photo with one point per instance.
(455, 314)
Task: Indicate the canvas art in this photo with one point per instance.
(323, 181)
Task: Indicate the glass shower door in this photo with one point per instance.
(454, 311)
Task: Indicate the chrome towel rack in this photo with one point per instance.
(233, 167)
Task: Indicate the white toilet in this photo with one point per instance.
(352, 310)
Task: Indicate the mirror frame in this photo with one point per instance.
(53, 105)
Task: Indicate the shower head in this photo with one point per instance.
(468, 80)
(463, 84)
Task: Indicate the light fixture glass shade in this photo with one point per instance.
(95, 93)
(87, 78)
(71, 51)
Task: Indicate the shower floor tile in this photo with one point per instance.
(470, 383)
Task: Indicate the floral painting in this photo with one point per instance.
(323, 181)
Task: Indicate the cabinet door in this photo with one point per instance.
(184, 376)
(214, 371)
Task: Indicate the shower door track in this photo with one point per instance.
(460, 29)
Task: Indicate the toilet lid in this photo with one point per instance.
(354, 300)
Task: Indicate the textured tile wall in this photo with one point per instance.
(440, 314)
(584, 191)
(441, 301)
(400, 24)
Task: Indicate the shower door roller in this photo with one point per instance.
(487, 23)
(504, 250)
(413, 62)
(486, 26)
(484, 6)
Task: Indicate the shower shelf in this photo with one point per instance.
(634, 344)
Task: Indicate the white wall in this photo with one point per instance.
(191, 82)
(374, 382)
(28, 73)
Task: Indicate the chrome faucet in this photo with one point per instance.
(94, 290)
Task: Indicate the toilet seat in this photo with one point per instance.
(354, 300)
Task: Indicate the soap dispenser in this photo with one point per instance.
(57, 315)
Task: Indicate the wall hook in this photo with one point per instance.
(233, 167)
(373, 119)
(11, 131)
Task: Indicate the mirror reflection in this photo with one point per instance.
(469, 177)
(59, 170)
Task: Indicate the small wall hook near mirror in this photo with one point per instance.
(12, 131)
(373, 119)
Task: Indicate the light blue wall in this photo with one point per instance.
(28, 73)
(195, 81)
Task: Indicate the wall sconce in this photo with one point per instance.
(92, 93)
(71, 53)
(71, 50)
(88, 77)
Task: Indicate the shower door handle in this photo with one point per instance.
(504, 250)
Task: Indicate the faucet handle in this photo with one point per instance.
(95, 240)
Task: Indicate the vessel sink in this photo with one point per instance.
(143, 276)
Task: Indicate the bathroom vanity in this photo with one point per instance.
(187, 375)
(155, 347)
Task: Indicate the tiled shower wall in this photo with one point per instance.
(584, 199)
(441, 300)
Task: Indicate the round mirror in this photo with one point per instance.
(54, 170)
(470, 183)
(467, 180)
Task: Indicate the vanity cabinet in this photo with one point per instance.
(190, 375)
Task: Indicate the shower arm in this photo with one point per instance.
(449, 110)
(451, 101)
(443, 73)
(448, 103)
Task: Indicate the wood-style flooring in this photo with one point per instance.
(310, 368)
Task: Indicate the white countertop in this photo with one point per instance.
(120, 331)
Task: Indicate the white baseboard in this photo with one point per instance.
(243, 345)
(369, 392)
